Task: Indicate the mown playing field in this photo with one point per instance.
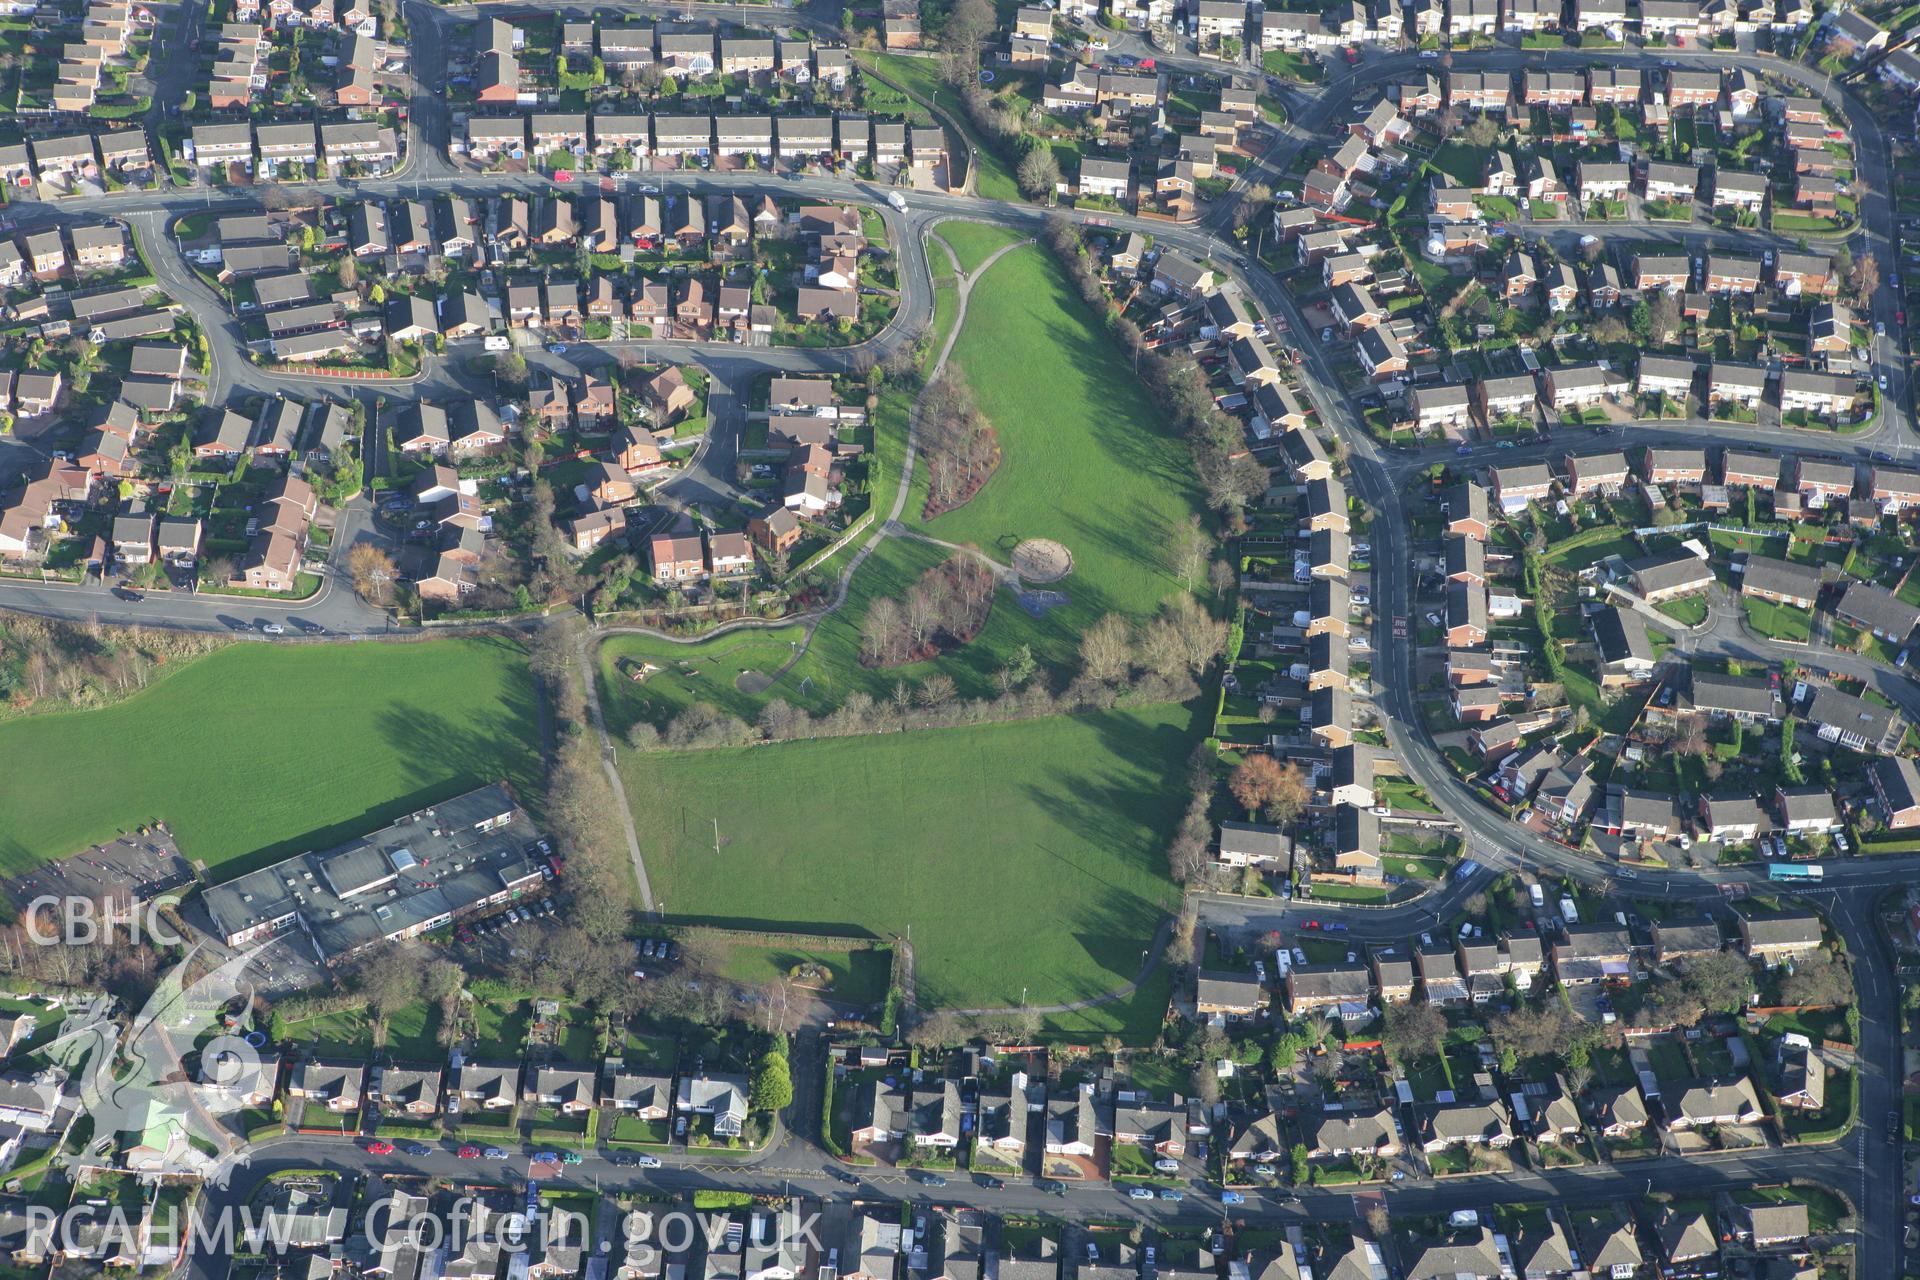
(1019, 855)
(260, 750)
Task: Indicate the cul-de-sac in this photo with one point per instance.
(959, 640)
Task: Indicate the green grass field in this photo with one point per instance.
(690, 673)
(974, 242)
(859, 977)
(258, 751)
(1085, 459)
(1051, 833)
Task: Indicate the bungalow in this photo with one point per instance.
(1336, 1135)
(1700, 1103)
(1854, 722)
(1619, 1112)
(1626, 653)
(646, 1097)
(1670, 574)
(336, 1086)
(721, 1097)
(413, 1091)
(1471, 1125)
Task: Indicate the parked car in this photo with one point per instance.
(932, 1180)
(416, 1149)
(1140, 1193)
(375, 1147)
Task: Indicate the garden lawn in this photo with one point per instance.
(500, 1029)
(1051, 832)
(258, 751)
(1084, 457)
(1689, 611)
(347, 1034)
(1779, 621)
(413, 1034)
(974, 242)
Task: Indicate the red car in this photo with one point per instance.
(378, 1148)
(469, 1153)
(1313, 924)
(1353, 57)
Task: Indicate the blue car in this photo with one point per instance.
(1232, 1197)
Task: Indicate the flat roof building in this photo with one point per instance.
(428, 868)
